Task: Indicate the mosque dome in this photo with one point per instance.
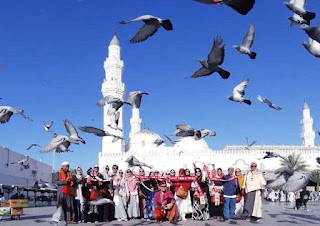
(144, 139)
(191, 144)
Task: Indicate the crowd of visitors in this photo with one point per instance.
(203, 195)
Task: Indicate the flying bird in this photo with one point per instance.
(115, 103)
(47, 126)
(215, 59)
(298, 7)
(158, 142)
(170, 140)
(313, 47)
(184, 130)
(318, 160)
(239, 92)
(248, 40)
(22, 161)
(101, 202)
(251, 144)
(271, 155)
(73, 134)
(289, 182)
(241, 6)
(202, 133)
(297, 19)
(313, 32)
(60, 143)
(56, 218)
(6, 112)
(150, 27)
(135, 98)
(270, 104)
(114, 121)
(133, 161)
(33, 145)
(99, 132)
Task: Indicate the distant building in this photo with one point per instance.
(188, 150)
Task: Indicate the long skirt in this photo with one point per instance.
(133, 207)
(252, 204)
(67, 204)
(239, 208)
(120, 211)
(184, 206)
(200, 212)
(215, 210)
(149, 206)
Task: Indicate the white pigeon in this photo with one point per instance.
(313, 47)
(47, 126)
(33, 145)
(150, 27)
(248, 40)
(22, 161)
(73, 134)
(56, 218)
(290, 182)
(60, 143)
(6, 112)
(239, 92)
(313, 32)
(270, 104)
(298, 7)
(114, 121)
(135, 98)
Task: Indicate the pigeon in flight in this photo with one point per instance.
(22, 161)
(248, 40)
(115, 103)
(298, 7)
(99, 132)
(313, 32)
(101, 202)
(170, 140)
(241, 6)
(202, 133)
(133, 161)
(60, 143)
(289, 182)
(56, 218)
(215, 59)
(271, 155)
(297, 19)
(184, 130)
(250, 145)
(158, 142)
(47, 126)
(150, 27)
(73, 134)
(270, 104)
(135, 98)
(313, 47)
(239, 92)
(114, 121)
(33, 145)
(6, 112)
(318, 160)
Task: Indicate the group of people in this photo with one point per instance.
(203, 195)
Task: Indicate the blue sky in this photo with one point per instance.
(52, 54)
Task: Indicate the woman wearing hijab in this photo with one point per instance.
(216, 202)
(131, 186)
(253, 184)
(80, 205)
(119, 197)
(189, 197)
(149, 188)
(239, 199)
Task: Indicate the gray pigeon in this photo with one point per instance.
(33, 145)
(248, 40)
(270, 104)
(298, 7)
(271, 155)
(135, 98)
(184, 130)
(297, 19)
(114, 121)
(133, 161)
(289, 182)
(215, 59)
(250, 145)
(241, 6)
(101, 202)
(158, 142)
(239, 92)
(150, 27)
(22, 161)
(6, 112)
(56, 218)
(313, 47)
(313, 32)
(60, 143)
(115, 103)
(73, 134)
(202, 133)
(47, 126)
(99, 132)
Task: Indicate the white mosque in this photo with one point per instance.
(188, 150)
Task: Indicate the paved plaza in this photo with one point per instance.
(273, 214)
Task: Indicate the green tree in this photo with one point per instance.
(292, 162)
(315, 177)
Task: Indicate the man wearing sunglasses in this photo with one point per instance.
(253, 185)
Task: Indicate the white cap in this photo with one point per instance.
(96, 165)
(65, 163)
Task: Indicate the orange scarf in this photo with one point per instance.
(67, 189)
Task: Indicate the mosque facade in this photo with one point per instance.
(188, 150)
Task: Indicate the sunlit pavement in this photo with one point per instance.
(273, 214)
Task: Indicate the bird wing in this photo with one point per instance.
(279, 181)
(240, 88)
(241, 6)
(201, 72)
(171, 141)
(314, 43)
(249, 38)
(70, 128)
(6, 117)
(184, 127)
(54, 143)
(253, 143)
(28, 148)
(137, 102)
(107, 99)
(300, 3)
(96, 131)
(132, 96)
(296, 182)
(146, 31)
(216, 56)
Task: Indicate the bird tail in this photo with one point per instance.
(310, 16)
(124, 22)
(166, 24)
(252, 55)
(223, 73)
(247, 102)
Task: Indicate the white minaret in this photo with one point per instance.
(135, 121)
(307, 135)
(113, 85)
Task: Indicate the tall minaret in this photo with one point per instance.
(307, 135)
(113, 85)
(135, 121)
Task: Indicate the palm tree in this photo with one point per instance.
(292, 163)
(315, 177)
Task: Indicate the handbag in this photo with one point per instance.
(238, 199)
(182, 193)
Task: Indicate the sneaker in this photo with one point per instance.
(248, 219)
